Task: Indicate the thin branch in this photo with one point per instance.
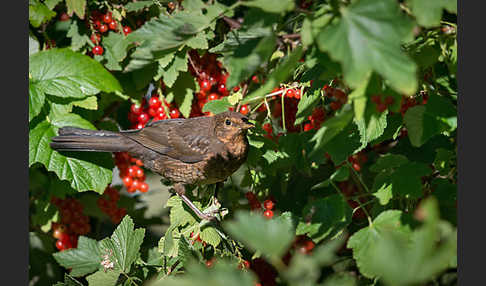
(196, 70)
(232, 23)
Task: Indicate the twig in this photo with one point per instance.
(232, 23)
(194, 66)
(291, 36)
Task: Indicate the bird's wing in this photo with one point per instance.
(181, 139)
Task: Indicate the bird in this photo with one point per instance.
(186, 151)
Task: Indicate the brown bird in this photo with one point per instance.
(198, 150)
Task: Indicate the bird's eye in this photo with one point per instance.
(227, 122)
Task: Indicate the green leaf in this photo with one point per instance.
(115, 45)
(332, 127)
(84, 259)
(372, 128)
(52, 3)
(340, 278)
(124, 245)
(324, 218)
(64, 73)
(270, 237)
(183, 92)
(341, 174)
(165, 34)
(306, 104)
(425, 121)
(139, 5)
(429, 13)
(76, 6)
(388, 162)
(272, 6)
(77, 40)
(200, 41)
(210, 236)
(39, 13)
(407, 179)
(85, 171)
(364, 241)
(90, 102)
(178, 215)
(367, 38)
(247, 58)
(217, 106)
(172, 70)
(33, 44)
(36, 100)
(102, 278)
(344, 144)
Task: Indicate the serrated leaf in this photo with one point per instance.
(52, 3)
(177, 65)
(217, 106)
(39, 13)
(69, 281)
(90, 102)
(124, 244)
(372, 128)
(84, 259)
(306, 105)
(407, 179)
(178, 215)
(102, 278)
(76, 6)
(272, 6)
(367, 38)
(344, 144)
(139, 5)
(199, 41)
(324, 218)
(210, 236)
(77, 40)
(65, 73)
(115, 45)
(85, 171)
(364, 241)
(270, 237)
(428, 13)
(36, 100)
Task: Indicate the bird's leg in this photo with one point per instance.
(180, 191)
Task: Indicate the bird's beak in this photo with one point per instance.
(248, 125)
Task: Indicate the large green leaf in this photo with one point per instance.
(364, 241)
(428, 13)
(86, 171)
(36, 100)
(65, 73)
(325, 218)
(103, 278)
(367, 38)
(270, 237)
(39, 13)
(124, 244)
(84, 259)
(76, 6)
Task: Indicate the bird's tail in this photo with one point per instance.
(78, 139)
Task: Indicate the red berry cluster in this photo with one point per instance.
(139, 115)
(102, 23)
(337, 96)
(348, 188)
(316, 119)
(211, 77)
(382, 105)
(357, 160)
(302, 244)
(73, 220)
(131, 173)
(255, 205)
(290, 106)
(108, 204)
(408, 102)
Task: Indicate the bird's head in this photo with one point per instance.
(230, 125)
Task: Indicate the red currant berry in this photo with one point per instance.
(381, 107)
(308, 126)
(127, 181)
(268, 214)
(376, 99)
(143, 118)
(136, 109)
(297, 94)
(113, 25)
(174, 113)
(254, 79)
(103, 28)
(139, 126)
(127, 30)
(64, 17)
(144, 187)
(205, 85)
(97, 50)
(222, 88)
(335, 105)
(107, 18)
(139, 173)
(290, 93)
(268, 204)
(95, 38)
(60, 245)
(154, 102)
(244, 109)
(389, 100)
(213, 96)
(57, 233)
(236, 88)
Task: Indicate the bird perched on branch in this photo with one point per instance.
(198, 150)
